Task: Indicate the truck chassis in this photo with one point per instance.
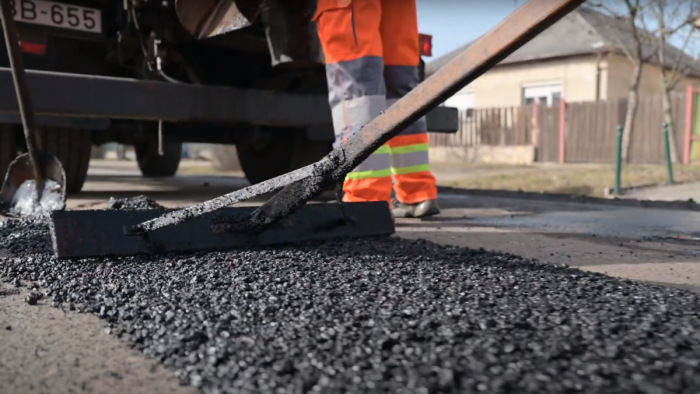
(143, 81)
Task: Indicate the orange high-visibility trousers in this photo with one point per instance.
(371, 50)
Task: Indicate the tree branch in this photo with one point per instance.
(619, 41)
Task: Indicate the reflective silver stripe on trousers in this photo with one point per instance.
(409, 159)
(377, 161)
(350, 115)
(356, 93)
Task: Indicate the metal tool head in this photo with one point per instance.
(209, 18)
(100, 233)
(19, 197)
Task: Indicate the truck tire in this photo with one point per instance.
(72, 147)
(153, 165)
(8, 148)
(271, 152)
(286, 151)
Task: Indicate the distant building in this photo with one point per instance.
(579, 58)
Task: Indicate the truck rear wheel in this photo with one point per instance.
(154, 165)
(277, 153)
(8, 148)
(72, 147)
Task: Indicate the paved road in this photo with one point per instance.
(657, 245)
(654, 245)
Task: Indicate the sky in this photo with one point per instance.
(454, 23)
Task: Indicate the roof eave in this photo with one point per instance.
(544, 58)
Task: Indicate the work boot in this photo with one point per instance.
(418, 210)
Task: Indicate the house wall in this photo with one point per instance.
(620, 71)
(502, 86)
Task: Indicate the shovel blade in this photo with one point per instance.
(18, 189)
(209, 18)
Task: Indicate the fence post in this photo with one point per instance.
(562, 131)
(688, 124)
(667, 145)
(536, 129)
(618, 160)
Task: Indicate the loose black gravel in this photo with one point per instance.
(133, 203)
(33, 298)
(382, 315)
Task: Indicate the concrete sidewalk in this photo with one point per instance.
(678, 192)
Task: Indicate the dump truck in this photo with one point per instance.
(127, 71)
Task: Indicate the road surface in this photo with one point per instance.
(659, 245)
(48, 349)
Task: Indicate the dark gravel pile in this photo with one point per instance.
(30, 237)
(133, 203)
(378, 316)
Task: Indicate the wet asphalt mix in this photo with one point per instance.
(375, 315)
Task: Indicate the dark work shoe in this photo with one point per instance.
(419, 210)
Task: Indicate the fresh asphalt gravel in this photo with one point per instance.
(376, 315)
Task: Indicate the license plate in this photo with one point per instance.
(61, 15)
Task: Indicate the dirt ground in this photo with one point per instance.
(577, 179)
(51, 350)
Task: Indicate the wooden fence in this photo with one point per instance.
(489, 126)
(589, 130)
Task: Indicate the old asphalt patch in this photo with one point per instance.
(375, 316)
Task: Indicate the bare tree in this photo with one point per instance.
(674, 22)
(632, 43)
(652, 25)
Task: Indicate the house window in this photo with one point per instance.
(545, 94)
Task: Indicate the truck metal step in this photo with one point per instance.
(90, 96)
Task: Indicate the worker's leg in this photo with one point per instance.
(414, 182)
(349, 34)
